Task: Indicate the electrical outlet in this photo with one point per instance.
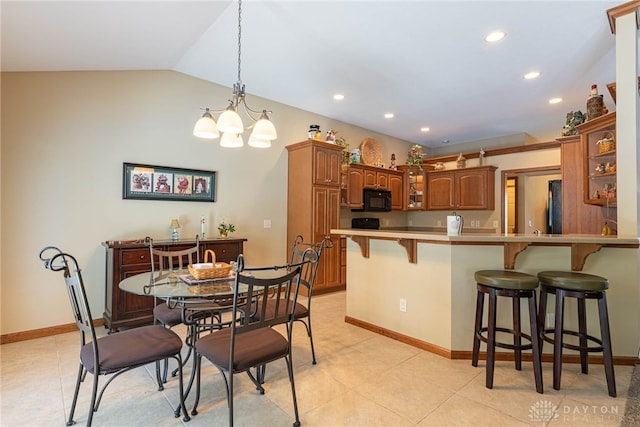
(410, 222)
(551, 319)
(267, 223)
(403, 305)
(439, 223)
(495, 224)
(530, 223)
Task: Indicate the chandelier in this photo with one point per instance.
(229, 122)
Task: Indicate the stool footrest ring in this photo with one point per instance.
(484, 339)
(545, 336)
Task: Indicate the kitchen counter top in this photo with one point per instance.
(409, 233)
(582, 245)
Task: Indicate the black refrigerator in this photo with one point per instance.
(554, 207)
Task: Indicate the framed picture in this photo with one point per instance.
(146, 182)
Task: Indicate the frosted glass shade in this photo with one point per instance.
(206, 128)
(231, 140)
(264, 129)
(230, 122)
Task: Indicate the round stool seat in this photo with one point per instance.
(505, 279)
(573, 281)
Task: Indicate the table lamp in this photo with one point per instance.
(174, 225)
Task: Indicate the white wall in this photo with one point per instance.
(65, 136)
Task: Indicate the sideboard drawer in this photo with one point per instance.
(135, 256)
(225, 252)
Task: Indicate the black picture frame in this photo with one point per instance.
(148, 182)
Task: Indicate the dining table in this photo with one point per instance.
(199, 300)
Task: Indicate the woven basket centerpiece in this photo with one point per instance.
(209, 269)
(607, 143)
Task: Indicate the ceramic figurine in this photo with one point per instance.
(331, 136)
(392, 165)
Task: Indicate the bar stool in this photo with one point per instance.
(582, 287)
(514, 285)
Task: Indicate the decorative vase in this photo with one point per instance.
(224, 234)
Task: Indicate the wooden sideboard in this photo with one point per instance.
(126, 258)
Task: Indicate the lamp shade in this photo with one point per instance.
(259, 142)
(230, 122)
(206, 128)
(174, 223)
(231, 140)
(264, 129)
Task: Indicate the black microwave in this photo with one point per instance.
(376, 200)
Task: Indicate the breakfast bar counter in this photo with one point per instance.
(418, 287)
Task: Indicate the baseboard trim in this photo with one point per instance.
(466, 355)
(44, 332)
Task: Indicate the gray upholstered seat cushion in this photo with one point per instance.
(251, 348)
(300, 310)
(133, 347)
(573, 281)
(166, 315)
(506, 279)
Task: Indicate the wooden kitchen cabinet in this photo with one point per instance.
(127, 258)
(577, 216)
(598, 138)
(326, 167)
(396, 185)
(376, 179)
(351, 190)
(313, 205)
(461, 189)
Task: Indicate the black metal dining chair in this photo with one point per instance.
(113, 354)
(302, 312)
(170, 315)
(250, 341)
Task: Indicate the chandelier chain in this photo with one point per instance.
(239, 37)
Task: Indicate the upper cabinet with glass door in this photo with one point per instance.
(599, 164)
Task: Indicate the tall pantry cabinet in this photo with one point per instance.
(313, 204)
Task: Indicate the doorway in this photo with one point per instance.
(512, 205)
(525, 196)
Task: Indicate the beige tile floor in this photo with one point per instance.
(361, 379)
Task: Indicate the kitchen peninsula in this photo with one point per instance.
(432, 273)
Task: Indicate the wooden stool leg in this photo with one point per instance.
(557, 337)
(582, 335)
(542, 314)
(606, 344)
(478, 326)
(491, 338)
(535, 342)
(517, 335)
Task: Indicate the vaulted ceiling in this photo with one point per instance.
(424, 61)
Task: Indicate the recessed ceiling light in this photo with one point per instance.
(445, 141)
(555, 100)
(338, 97)
(495, 36)
(424, 129)
(532, 75)
(388, 115)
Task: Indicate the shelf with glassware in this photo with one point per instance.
(599, 165)
(415, 188)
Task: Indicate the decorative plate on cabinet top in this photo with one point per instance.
(371, 152)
